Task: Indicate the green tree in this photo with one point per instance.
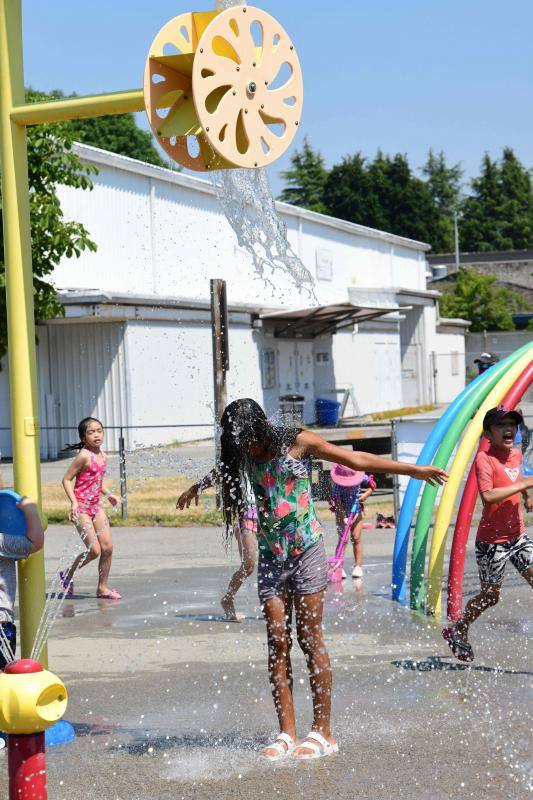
(498, 215)
(444, 183)
(51, 162)
(381, 194)
(517, 192)
(119, 134)
(348, 193)
(305, 179)
(478, 298)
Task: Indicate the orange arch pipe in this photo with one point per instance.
(467, 506)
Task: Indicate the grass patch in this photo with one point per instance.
(152, 503)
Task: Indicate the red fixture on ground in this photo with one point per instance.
(26, 752)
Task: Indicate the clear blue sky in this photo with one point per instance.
(403, 75)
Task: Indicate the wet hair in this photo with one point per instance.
(243, 424)
(82, 430)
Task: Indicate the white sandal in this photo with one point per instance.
(281, 750)
(319, 746)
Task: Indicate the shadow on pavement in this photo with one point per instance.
(438, 664)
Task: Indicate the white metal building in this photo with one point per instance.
(135, 345)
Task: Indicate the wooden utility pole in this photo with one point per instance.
(219, 332)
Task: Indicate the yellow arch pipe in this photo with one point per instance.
(457, 469)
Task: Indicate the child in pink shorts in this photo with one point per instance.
(84, 486)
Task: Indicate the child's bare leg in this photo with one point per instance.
(275, 610)
(103, 531)
(487, 597)
(340, 520)
(86, 530)
(357, 540)
(528, 575)
(309, 609)
(246, 542)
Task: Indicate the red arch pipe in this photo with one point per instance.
(467, 506)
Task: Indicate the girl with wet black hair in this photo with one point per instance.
(292, 571)
(84, 486)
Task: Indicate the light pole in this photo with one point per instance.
(456, 239)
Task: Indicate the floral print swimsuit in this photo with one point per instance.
(288, 525)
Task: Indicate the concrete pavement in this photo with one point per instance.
(171, 701)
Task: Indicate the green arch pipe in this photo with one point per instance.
(425, 512)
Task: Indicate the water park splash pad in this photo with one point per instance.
(460, 426)
(224, 95)
(211, 83)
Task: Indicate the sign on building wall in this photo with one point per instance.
(324, 264)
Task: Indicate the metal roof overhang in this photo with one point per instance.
(312, 322)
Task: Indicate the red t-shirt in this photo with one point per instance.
(500, 522)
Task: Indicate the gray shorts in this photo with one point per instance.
(304, 574)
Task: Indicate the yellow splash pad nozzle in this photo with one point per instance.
(31, 698)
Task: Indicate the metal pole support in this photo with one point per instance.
(219, 333)
(123, 481)
(20, 309)
(395, 478)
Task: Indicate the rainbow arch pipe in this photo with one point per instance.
(484, 392)
(442, 458)
(401, 542)
(467, 506)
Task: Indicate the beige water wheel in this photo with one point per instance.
(231, 81)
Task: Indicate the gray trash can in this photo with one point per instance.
(291, 408)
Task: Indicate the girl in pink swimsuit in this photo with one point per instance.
(84, 485)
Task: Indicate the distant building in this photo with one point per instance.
(134, 347)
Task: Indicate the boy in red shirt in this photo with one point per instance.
(501, 535)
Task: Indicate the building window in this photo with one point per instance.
(268, 369)
(455, 363)
(322, 359)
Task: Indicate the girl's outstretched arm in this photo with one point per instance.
(193, 492)
(309, 443)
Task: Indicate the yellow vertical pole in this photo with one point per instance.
(19, 297)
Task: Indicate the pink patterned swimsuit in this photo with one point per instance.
(88, 486)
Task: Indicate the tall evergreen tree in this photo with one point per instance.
(517, 192)
(383, 194)
(305, 178)
(347, 192)
(498, 215)
(444, 183)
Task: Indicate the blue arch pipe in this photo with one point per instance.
(401, 542)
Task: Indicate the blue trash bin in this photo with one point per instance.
(327, 411)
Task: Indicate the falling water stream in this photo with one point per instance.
(57, 591)
(250, 208)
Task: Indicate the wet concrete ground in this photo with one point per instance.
(170, 701)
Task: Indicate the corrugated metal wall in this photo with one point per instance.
(88, 377)
(412, 352)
